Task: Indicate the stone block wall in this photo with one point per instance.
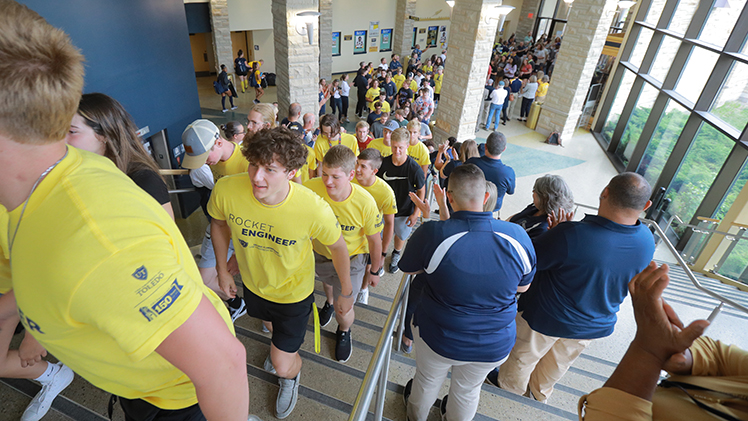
(296, 62)
(586, 30)
(525, 24)
(219, 20)
(402, 40)
(470, 43)
(325, 40)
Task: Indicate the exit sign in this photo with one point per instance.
(530, 15)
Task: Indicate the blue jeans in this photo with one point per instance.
(494, 113)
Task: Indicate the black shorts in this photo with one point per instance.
(289, 320)
(241, 73)
(140, 410)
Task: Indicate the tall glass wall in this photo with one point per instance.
(677, 107)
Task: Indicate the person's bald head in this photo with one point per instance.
(309, 120)
(629, 191)
(467, 188)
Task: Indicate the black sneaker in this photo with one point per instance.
(343, 346)
(237, 308)
(493, 377)
(393, 263)
(443, 406)
(406, 392)
(325, 314)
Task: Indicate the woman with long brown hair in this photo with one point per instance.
(102, 126)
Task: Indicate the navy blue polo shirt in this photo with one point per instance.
(583, 273)
(497, 173)
(472, 267)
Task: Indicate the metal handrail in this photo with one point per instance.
(379, 366)
(723, 300)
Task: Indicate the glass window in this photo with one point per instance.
(543, 26)
(663, 140)
(732, 194)
(563, 10)
(634, 126)
(655, 11)
(731, 104)
(720, 22)
(737, 261)
(548, 9)
(664, 58)
(558, 29)
(642, 42)
(695, 74)
(697, 172)
(620, 100)
(682, 16)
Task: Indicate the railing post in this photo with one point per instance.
(403, 310)
(384, 373)
(727, 252)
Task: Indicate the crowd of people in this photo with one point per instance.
(120, 301)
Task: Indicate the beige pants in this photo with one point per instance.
(538, 361)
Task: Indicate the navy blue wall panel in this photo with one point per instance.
(198, 17)
(137, 51)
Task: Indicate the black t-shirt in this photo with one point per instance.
(152, 183)
(533, 225)
(293, 125)
(403, 179)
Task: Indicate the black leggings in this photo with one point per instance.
(526, 104)
(344, 108)
(361, 104)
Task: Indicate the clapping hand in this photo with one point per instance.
(562, 216)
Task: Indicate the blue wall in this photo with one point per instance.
(137, 51)
(198, 17)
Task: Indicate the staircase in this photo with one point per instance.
(329, 388)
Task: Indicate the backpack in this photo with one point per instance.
(554, 139)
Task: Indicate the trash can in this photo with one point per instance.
(532, 118)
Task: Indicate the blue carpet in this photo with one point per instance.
(528, 161)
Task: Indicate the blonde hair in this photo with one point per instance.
(340, 156)
(267, 112)
(493, 194)
(361, 124)
(414, 124)
(469, 149)
(400, 135)
(42, 77)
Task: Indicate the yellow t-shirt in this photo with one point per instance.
(427, 69)
(117, 278)
(414, 88)
(542, 89)
(420, 153)
(383, 195)
(273, 243)
(438, 83)
(379, 145)
(373, 95)
(236, 164)
(311, 164)
(398, 79)
(358, 217)
(323, 144)
(386, 107)
(5, 280)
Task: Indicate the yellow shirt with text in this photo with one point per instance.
(383, 195)
(273, 244)
(358, 217)
(379, 145)
(420, 153)
(236, 164)
(398, 79)
(323, 144)
(102, 275)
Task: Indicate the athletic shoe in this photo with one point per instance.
(224, 110)
(253, 418)
(393, 263)
(234, 311)
(443, 406)
(406, 392)
(265, 329)
(268, 365)
(343, 346)
(325, 314)
(493, 377)
(406, 348)
(50, 389)
(363, 296)
(381, 270)
(287, 396)
(234, 107)
(256, 101)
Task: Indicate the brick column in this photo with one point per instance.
(296, 62)
(525, 24)
(586, 30)
(325, 40)
(222, 50)
(402, 40)
(470, 43)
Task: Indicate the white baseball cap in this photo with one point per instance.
(198, 138)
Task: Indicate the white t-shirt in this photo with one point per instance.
(202, 177)
(344, 88)
(498, 95)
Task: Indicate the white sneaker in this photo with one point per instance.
(253, 418)
(363, 296)
(43, 400)
(287, 396)
(237, 312)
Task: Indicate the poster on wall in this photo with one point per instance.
(443, 36)
(359, 42)
(373, 36)
(336, 43)
(386, 43)
(432, 36)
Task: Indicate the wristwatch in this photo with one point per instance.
(374, 272)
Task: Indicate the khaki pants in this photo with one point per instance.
(538, 361)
